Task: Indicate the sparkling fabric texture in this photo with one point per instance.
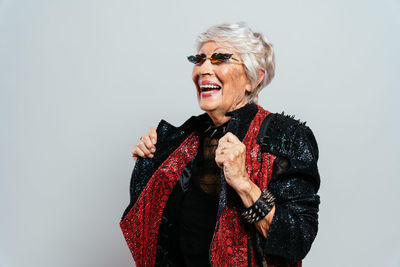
(281, 156)
(294, 184)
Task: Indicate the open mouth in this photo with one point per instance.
(209, 87)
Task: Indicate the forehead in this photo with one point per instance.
(213, 46)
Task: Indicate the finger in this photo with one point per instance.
(153, 135)
(143, 148)
(231, 138)
(147, 142)
(222, 145)
(219, 159)
(239, 148)
(222, 142)
(229, 153)
(136, 151)
(229, 145)
(219, 151)
(228, 137)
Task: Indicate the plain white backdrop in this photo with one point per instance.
(81, 81)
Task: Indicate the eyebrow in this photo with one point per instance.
(214, 52)
(202, 52)
(223, 48)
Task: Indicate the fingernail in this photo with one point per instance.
(153, 140)
(153, 150)
(151, 155)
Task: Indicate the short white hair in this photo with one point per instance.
(255, 51)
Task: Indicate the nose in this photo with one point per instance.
(206, 68)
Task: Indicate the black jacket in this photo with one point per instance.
(294, 183)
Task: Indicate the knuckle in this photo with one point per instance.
(142, 147)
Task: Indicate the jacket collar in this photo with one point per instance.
(238, 124)
(241, 119)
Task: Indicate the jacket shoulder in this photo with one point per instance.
(286, 137)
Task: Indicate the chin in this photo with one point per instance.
(209, 104)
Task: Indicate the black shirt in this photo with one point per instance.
(200, 202)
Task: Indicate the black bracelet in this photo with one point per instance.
(260, 208)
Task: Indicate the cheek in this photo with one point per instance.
(232, 75)
(225, 76)
(225, 72)
(194, 75)
(237, 76)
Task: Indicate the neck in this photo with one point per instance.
(219, 117)
(218, 120)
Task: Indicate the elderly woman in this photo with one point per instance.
(235, 186)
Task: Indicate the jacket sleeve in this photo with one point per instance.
(168, 139)
(294, 183)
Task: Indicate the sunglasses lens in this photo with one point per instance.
(217, 58)
(220, 58)
(201, 58)
(197, 59)
(192, 59)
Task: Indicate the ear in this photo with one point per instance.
(248, 87)
(261, 75)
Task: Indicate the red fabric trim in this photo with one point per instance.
(229, 246)
(140, 226)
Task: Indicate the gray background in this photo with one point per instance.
(81, 81)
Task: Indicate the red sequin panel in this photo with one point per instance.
(140, 226)
(229, 247)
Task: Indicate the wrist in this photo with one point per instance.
(264, 207)
(244, 188)
(248, 192)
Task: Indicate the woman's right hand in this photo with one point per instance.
(145, 148)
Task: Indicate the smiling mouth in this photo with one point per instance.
(209, 87)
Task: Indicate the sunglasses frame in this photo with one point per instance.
(225, 58)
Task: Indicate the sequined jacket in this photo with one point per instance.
(282, 157)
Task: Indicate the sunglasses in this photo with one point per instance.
(216, 58)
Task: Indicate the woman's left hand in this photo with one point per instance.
(231, 156)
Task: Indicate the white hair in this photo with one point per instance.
(255, 51)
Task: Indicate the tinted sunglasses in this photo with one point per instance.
(216, 58)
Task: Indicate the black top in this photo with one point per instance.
(200, 201)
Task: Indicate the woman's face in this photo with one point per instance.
(229, 78)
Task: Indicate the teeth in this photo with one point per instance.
(209, 86)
